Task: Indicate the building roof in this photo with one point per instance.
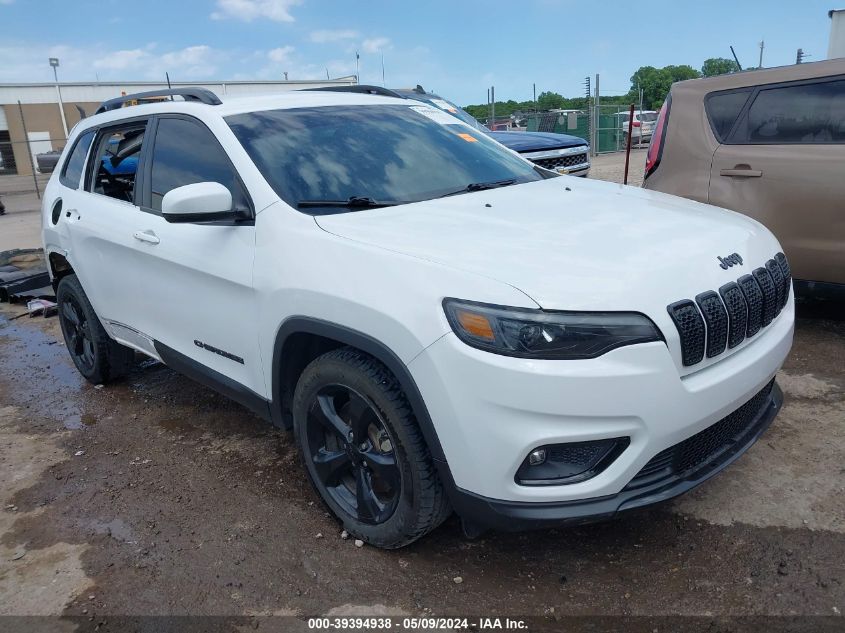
(97, 92)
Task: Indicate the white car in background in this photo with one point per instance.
(443, 324)
(642, 127)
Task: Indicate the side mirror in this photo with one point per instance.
(200, 202)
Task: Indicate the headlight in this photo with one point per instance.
(530, 333)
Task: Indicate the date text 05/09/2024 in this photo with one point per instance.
(414, 624)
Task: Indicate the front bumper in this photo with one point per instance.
(516, 516)
(490, 411)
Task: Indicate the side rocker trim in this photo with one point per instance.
(214, 380)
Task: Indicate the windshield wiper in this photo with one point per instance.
(481, 186)
(352, 202)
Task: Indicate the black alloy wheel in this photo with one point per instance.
(363, 450)
(352, 453)
(79, 337)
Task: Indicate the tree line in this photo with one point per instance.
(654, 83)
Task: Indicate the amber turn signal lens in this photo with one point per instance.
(476, 324)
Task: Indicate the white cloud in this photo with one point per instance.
(375, 44)
(280, 55)
(193, 61)
(324, 36)
(249, 10)
(122, 60)
(27, 61)
(6, 1)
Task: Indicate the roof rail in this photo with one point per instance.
(203, 95)
(359, 88)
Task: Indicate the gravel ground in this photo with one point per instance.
(612, 167)
(156, 496)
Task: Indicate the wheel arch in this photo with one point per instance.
(301, 339)
(59, 267)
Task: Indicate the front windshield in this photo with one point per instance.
(388, 153)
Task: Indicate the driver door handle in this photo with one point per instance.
(147, 236)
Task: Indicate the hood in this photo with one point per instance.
(536, 141)
(572, 244)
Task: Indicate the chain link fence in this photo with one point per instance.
(605, 127)
(28, 162)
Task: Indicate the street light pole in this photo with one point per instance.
(54, 62)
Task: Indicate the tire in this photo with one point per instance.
(97, 357)
(346, 391)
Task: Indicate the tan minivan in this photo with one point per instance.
(770, 144)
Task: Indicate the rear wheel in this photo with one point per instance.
(97, 357)
(363, 450)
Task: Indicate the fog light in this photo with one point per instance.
(569, 463)
(537, 457)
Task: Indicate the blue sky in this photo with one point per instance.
(455, 48)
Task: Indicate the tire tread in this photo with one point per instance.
(433, 503)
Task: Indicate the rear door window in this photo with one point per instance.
(75, 164)
(803, 114)
(723, 109)
(185, 153)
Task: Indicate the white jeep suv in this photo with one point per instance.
(444, 325)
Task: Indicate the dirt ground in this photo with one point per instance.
(156, 496)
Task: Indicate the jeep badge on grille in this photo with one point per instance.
(730, 260)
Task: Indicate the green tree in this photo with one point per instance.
(549, 100)
(656, 82)
(718, 66)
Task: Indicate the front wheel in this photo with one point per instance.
(363, 451)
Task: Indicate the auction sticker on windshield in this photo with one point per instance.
(444, 105)
(438, 116)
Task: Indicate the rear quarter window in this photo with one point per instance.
(75, 164)
(723, 109)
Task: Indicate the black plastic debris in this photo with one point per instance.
(30, 281)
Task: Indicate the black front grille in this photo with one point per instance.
(716, 319)
(707, 449)
(777, 276)
(738, 311)
(691, 328)
(770, 297)
(754, 300)
(561, 161)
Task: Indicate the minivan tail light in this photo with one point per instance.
(658, 138)
(636, 124)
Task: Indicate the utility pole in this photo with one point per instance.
(493, 106)
(383, 84)
(357, 68)
(588, 93)
(535, 98)
(800, 55)
(762, 46)
(596, 118)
